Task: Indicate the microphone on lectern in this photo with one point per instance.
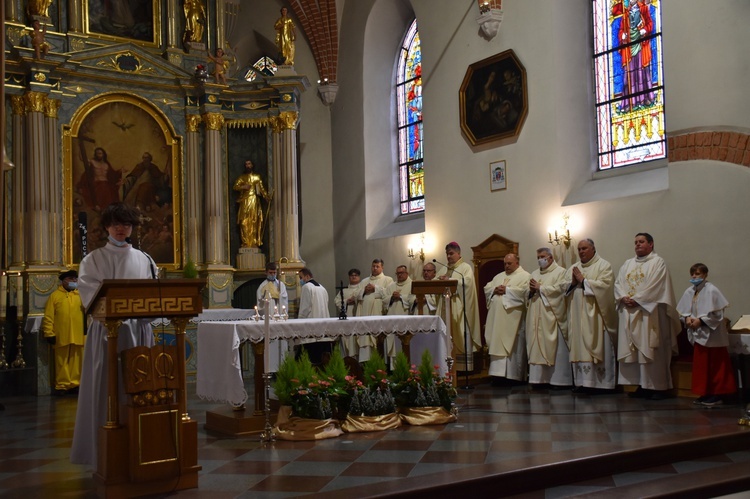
(444, 265)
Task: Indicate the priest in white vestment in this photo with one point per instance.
(275, 290)
(546, 324)
(313, 304)
(648, 322)
(465, 326)
(349, 344)
(397, 300)
(370, 302)
(429, 272)
(592, 321)
(506, 313)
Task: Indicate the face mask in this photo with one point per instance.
(72, 285)
(271, 277)
(117, 243)
(696, 282)
(543, 263)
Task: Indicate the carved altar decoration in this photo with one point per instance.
(155, 449)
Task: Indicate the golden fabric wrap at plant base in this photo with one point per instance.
(356, 424)
(419, 416)
(307, 429)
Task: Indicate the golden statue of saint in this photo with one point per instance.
(38, 8)
(250, 214)
(285, 36)
(195, 20)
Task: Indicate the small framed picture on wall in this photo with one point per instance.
(498, 176)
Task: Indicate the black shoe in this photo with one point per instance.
(559, 388)
(640, 393)
(660, 395)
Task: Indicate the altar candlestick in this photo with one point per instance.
(3, 293)
(267, 346)
(19, 301)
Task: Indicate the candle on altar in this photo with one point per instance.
(267, 345)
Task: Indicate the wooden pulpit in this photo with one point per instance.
(433, 287)
(438, 287)
(155, 449)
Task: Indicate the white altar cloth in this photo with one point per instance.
(219, 375)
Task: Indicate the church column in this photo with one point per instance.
(18, 254)
(287, 153)
(51, 108)
(193, 202)
(215, 194)
(220, 274)
(13, 10)
(276, 251)
(38, 182)
(74, 15)
(173, 37)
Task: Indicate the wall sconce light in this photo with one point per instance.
(413, 255)
(563, 238)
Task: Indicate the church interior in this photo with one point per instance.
(174, 97)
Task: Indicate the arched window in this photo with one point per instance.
(629, 82)
(409, 126)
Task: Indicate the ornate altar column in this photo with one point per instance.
(52, 130)
(193, 204)
(13, 10)
(215, 195)
(285, 146)
(17, 258)
(38, 237)
(220, 273)
(74, 15)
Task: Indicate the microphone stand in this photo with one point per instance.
(467, 386)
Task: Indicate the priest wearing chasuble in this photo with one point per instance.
(463, 314)
(370, 302)
(648, 322)
(504, 332)
(397, 300)
(349, 343)
(592, 321)
(546, 324)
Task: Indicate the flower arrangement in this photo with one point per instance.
(311, 393)
(421, 386)
(371, 397)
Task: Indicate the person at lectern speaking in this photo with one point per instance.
(115, 260)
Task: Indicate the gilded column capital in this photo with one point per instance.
(17, 104)
(51, 107)
(213, 121)
(288, 120)
(276, 124)
(192, 122)
(34, 101)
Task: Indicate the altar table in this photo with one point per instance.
(219, 373)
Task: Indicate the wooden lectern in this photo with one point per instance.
(156, 450)
(439, 288)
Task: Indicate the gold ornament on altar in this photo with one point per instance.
(250, 214)
(285, 37)
(38, 8)
(195, 21)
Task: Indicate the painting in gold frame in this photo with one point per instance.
(106, 159)
(493, 99)
(124, 20)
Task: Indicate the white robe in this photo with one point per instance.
(401, 306)
(504, 331)
(647, 333)
(546, 329)
(313, 304)
(466, 289)
(370, 304)
(706, 303)
(348, 343)
(108, 262)
(592, 324)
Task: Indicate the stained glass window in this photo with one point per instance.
(629, 82)
(409, 112)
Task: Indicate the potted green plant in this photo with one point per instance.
(422, 394)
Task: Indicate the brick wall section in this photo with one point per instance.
(317, 18)
(727, 146)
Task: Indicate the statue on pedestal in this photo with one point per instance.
(38, 8)
(250, 213)
(41, 47)
(285, 36)
(221, 65)
(195, 21)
